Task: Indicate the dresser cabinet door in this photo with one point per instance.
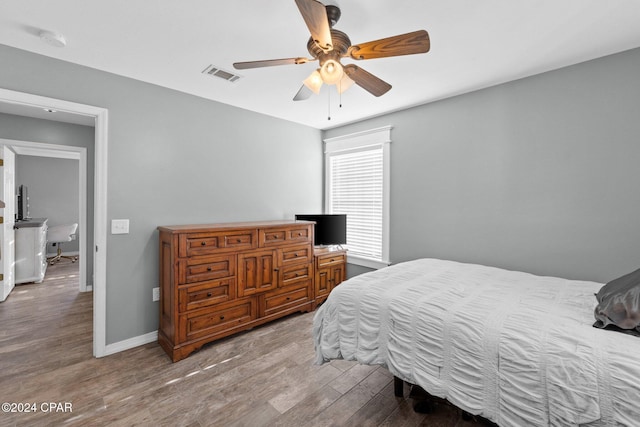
(323, 283)
(257, 272)
(337, 275)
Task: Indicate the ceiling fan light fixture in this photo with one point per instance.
(314, 82)
(331, 72)
(344, 84)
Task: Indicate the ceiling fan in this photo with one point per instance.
(328, 45)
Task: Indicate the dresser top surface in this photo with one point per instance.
(232, 225)
(31, 222)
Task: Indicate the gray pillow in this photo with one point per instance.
(619, 304)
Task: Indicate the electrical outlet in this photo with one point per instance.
(156, 294)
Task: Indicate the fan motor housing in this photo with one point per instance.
(341, 44)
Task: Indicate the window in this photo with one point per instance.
(357, 184)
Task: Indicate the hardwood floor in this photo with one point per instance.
(264, 377)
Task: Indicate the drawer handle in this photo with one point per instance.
(288, 298)
(209, 294)
(296, 254)
(221, 317)
(209, 268)
(238, 241)
(203, 243)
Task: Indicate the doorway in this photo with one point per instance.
(25, 100)
(52, 151)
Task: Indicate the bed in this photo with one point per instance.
(511, 347)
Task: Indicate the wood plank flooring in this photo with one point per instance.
(263, 377)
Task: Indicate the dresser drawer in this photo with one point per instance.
(331, 259)
(199, 244)
(287, 298)
(225, 317)
(209, 268)
(297, 272)
(299, 234)
(296, 255)
(205, 294)
(285, 236)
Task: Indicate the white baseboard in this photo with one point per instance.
(119, 346)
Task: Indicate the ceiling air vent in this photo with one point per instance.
(217, 72)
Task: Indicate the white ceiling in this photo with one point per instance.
(474, 44)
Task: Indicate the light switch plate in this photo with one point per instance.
(119, 226)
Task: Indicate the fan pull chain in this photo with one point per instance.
(340, 93)
(329, 104)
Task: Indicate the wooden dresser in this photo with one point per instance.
(219, 279)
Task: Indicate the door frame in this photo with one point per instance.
(7, 246)
(26, 148)
(101, 116)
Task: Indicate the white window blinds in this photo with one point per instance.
(357, 184)
(356, 190)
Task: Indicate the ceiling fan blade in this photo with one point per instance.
(303, 93)
(315, 16)
(268, 63)
(366, 80)
(403, 44)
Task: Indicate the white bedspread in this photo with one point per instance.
(515, 348)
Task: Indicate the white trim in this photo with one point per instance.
(358, 140)
(100, 199)
(372, 138)
(27, 148)
(24, 148)
(100, 235)
(386, 201)
(366, 262)
(129, 343)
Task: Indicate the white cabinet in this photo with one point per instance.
(31, 250)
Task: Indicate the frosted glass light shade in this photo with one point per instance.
(331, 72)
(344, 84)
(314, 82)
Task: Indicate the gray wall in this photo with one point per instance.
(53, 183)
(53, 192)
(175, 159)
(539, 175)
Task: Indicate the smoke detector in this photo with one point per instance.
(53, 38)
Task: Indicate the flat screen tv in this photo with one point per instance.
(330, 229)
(23, 203)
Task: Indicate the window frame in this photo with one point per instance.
(361, 141)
